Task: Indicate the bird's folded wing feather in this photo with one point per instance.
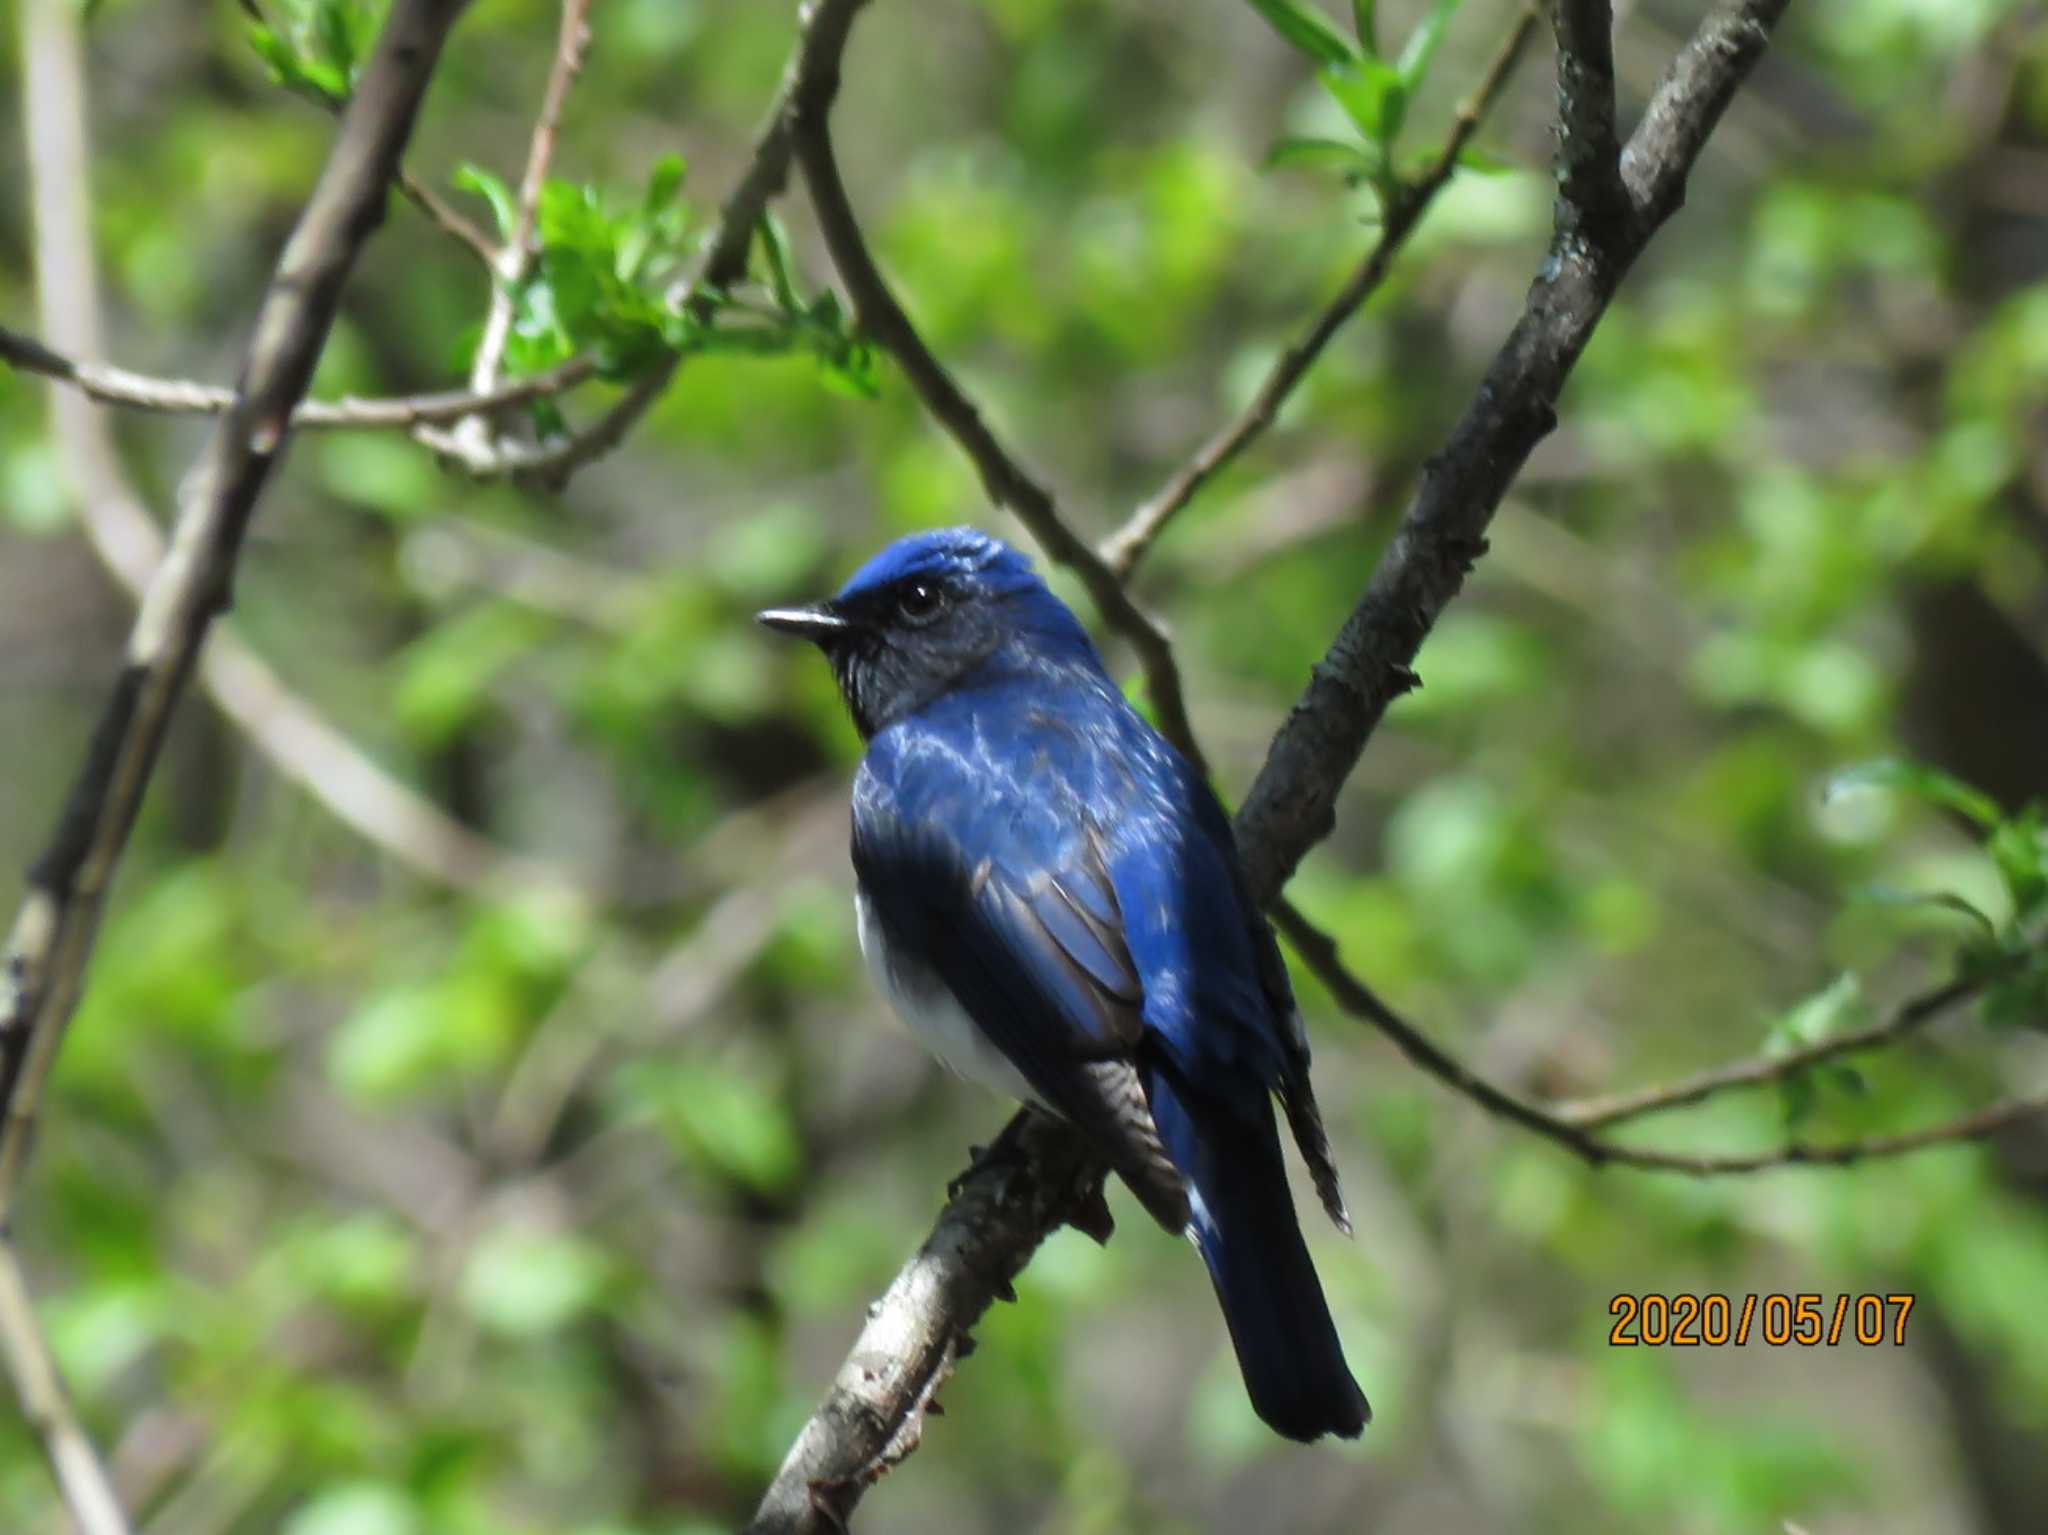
(1011, 905)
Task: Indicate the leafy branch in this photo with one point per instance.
(1373, 92)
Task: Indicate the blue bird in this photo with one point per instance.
(1051, 898)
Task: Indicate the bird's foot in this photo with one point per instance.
(1006, 1151)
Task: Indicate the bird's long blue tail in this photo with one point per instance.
(1244, 1224)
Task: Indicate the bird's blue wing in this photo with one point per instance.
(1217, 998)
(993, 877)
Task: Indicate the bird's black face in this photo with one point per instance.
(897, 645)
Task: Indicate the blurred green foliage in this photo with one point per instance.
(365, 1207)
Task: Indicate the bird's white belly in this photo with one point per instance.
(928, 1009)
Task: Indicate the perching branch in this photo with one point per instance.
(874, 1414)
(1124, 548)
(177, 396)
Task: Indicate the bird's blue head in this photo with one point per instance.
(930, 613)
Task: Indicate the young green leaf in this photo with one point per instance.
(2020, 849)
(1922, 782)
(333, 32)
(1356, 161)
(1424, 41)
(1308, 29)
(492, 189)
(781, 278)
(2019, 1000)
(1484, 163)
(664, 184)
(1372, 96)
(1826, 1012)
(1943, 903)
(1796, 1097)
(1362, 19)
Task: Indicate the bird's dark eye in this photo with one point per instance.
(920, 602)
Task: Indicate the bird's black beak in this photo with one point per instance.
(817, 623)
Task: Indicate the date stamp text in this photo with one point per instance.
(1684, 1320)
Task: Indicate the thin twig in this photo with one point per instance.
(52, 936)
(176, 396)
(54, 127)
(451, 222)
(1003, 476)
(1909, 1018)
(82, 1478)
(1571, 1126)
(1319, 951)
(1123, 549)
(415, 191)
(515, 257)
(723, 263)
(1978, 1125)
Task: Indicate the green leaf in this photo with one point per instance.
(727, 1122)
(1486, 163)
(1356, 161)
(1942, 902)
(1424, 41)
(356, 1508)
(1363, 20)
(525, 1283)
(1308, 29)
(775, 246)
(2019, 847)
(2020, 1000)
(504, 212)
(335, 36)
(1372, 96)
(664, 184)
(1796, 1098)
(1930, 784)
(852, 372)
(444, 678)
(1827, 1012)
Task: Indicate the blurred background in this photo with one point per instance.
(371, 1205)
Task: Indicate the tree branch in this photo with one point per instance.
(1123, 549)
(1571, 1125)
(1588, 159)
(450, 222)
(873, 1416)
(82, 1477)
(53, 934)
(176, 396)
(1003, 476)
(1909, 1018)
(1292, 804)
